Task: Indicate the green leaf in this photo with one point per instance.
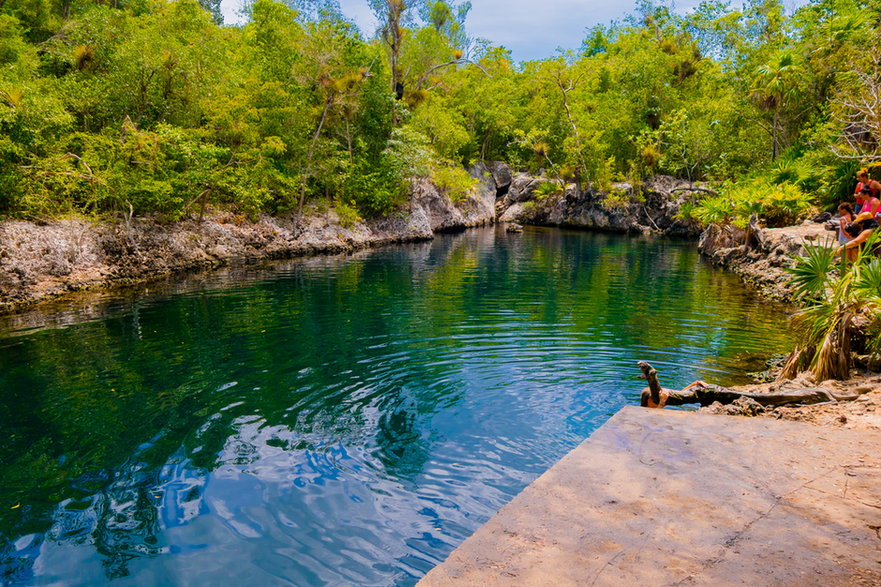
(810, 275)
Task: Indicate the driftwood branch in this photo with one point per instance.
(649, 216)
(654, 389)
(655, 396)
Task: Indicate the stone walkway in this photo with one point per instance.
(662, 497)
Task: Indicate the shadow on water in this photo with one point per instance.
(337, 419)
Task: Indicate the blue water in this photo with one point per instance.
(338, 420)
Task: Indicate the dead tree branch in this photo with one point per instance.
(655, 396)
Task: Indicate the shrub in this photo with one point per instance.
(547, 190)
(833, 301)
(375, 191)
(619, 198)
(454, 181)
(778, 205)
(348, 214)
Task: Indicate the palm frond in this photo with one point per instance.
(810, 274)
(798, 360)
(869, 281)
(833, 361)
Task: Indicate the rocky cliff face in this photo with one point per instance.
(41, 261)
(653, 210)
(443, 215)
(762, 256)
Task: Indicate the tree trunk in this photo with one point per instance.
(774, 137)
(311, 154)
(565, 91)
(393, 35)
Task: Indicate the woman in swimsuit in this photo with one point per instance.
(867, 193)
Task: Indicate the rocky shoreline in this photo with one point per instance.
(42, 261)
(761, 258)
(863, 413)
(45, 260)
(652, 209)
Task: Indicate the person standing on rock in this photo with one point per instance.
(867, 191)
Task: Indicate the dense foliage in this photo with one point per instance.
(154, 106)
(840, 309)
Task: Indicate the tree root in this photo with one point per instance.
(698, 392)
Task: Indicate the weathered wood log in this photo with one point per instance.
(705, 394)
(651, 376)
(655, 396)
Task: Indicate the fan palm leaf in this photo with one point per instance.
(810, 275)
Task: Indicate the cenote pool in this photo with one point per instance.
(338, 420)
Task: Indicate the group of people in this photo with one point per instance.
(858, 222)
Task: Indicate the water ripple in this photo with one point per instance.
(338, 420)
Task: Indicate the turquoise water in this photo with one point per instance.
(338, 420)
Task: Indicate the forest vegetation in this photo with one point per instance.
(156, 107)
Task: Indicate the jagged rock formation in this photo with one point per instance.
(443, 215)
(652, 209)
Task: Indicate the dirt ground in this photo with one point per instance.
(862, 413)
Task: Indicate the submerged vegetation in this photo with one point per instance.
(144, 106)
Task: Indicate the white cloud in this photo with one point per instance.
(231, 11)
(533, 30)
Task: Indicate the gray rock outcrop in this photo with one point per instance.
(762, 259)
(43, 260)
(654, 209)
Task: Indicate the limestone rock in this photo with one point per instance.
(743, 406)
(502, 176)
(40, 261)
(586, 209)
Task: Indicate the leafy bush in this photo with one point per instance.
(454, 181)
(375, 191)
(778, 205)
(546, 190)
(348, 214)
(619, 198)
(833, 302)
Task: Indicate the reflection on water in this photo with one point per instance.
(337, 420)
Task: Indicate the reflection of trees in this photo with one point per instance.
(104, 416)
(94, 411)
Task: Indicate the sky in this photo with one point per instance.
(530, 29)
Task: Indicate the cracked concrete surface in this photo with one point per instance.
(660, 497)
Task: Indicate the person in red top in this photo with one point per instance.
(867, 193)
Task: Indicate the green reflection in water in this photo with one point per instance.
(346, 419)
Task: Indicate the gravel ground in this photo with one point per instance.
(862, 413)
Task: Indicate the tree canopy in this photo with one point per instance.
(154, 106)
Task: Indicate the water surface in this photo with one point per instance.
(338, 420)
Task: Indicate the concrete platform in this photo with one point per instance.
(659, 497)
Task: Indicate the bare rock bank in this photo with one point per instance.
(654, 208)
(862, 413)
(761, 256)
(40, 261)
